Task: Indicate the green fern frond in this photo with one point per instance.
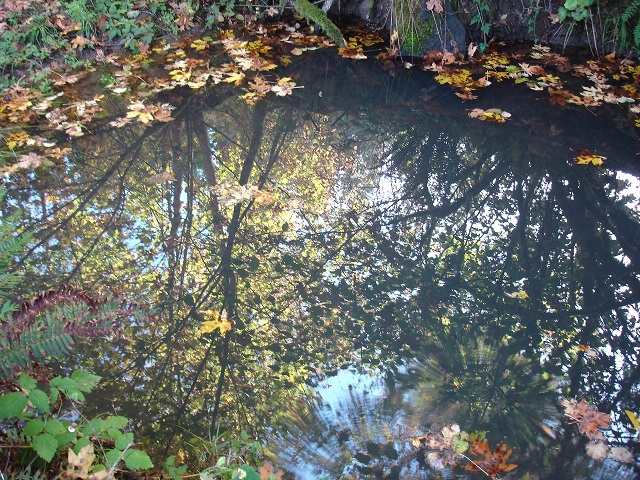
(636, 34)
(312, 13)
(630, 11)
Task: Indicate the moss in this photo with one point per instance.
(413, 28)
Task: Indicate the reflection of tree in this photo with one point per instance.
(393, 229)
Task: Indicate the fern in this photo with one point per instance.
(630, 16)
(312, 13)
(48, 325)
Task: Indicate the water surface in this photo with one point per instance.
(389, 265)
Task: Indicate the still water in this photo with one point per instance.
(387, 266)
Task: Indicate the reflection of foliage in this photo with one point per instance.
(11, 245)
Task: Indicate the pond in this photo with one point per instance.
(359, 274)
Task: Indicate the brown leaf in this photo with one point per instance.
(491, 463)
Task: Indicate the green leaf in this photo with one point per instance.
(137, 459)
(33, 427)
(40, 400)
(77, 396)
(95, 427)
(63, 383)
(26, 382)
(562, 14)
(65, 437)
(113, 457)
(54, 395)
(571, 4)
(86, 381)
(80, 444)
(54, 426)
(116, 422)
(12, 405)
(123, 440)
(45, 446)
(248, 473)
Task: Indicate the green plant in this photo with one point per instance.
(11, 245)
(47, 326)
(621, 31)
(234, 457)
(412, 29)
(479, 19)
(574, 10)
(312, 13)
(37, 425)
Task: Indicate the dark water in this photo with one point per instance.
(401, 267)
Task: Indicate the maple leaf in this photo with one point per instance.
(449, 444)
(267, 472)
(217, 322)
(234, 77)
(585, 157)
(199, 45)
(161, 177)
(15, 139)
(590, 420)
(633, 418)
(79, 42)
(436, 6)
(29, 161)
(353, 51)
(79, 465)
(588, 351)
(180, 75)
(491, 463)
(283, 87)
(139, 111)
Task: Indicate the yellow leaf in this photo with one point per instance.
(634, 419)
(199, 45)
(522, 295)
(234, 77)
(217, 322)
(593, 159)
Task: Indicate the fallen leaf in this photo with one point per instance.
(597, 450)
(621, 454)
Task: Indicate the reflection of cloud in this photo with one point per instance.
(359, 425)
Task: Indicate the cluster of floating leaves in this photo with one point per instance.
(449, 448)
(65, 111)
(252, 65)
(591, 423)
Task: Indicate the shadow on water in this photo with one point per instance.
(379, 253)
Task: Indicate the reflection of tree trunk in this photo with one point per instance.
(225, 277)
(199, 128)
(229, 283)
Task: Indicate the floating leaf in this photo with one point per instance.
(585, 157)
(492, 463)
